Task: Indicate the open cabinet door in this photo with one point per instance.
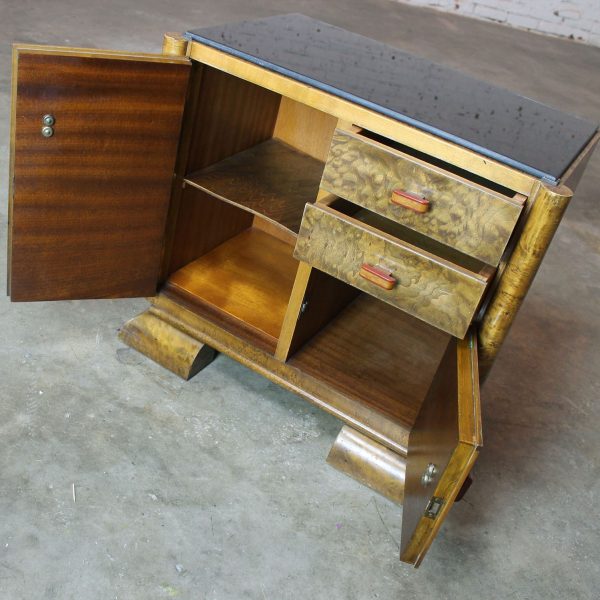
(94, 136)
(442, 447)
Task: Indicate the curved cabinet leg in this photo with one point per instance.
(165, 344)
(369, 463)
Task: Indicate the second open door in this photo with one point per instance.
(442, 447)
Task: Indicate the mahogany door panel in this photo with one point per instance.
(94, 136)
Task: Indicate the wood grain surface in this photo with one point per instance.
(166, 345)
(305, 128)
(364, 117)
(446, 434)
(315, 301)
(461, 214)
(377, 355)
(223, 116)
(231, 116)
(271, 179)
(360, 415)
(247, 279)
(549, 205)
(204, 223)
(174, 44)
(89, 204)
(436, 291)
(370, 463)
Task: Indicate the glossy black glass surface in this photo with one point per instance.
(493, 121)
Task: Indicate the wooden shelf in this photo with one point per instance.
(244, 285)
(271, 179)
(376, 354)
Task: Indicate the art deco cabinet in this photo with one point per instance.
(357, 224)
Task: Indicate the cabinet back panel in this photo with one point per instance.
(232, 115)
(89, 203)
(305, 128)
(204, 223)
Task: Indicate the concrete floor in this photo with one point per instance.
(217, 488)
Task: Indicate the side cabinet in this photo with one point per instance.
(362, 262)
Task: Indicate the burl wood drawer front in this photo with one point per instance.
(443, 206)
(421, 284)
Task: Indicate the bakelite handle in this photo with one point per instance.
(377, 275)
(410, 201)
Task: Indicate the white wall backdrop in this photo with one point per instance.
(576, 19)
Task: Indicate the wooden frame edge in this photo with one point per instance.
(11, 163)
(98, 53)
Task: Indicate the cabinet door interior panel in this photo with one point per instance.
(90, 196)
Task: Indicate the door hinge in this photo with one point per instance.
(433, 507)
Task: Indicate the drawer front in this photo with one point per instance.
(429, 288)
(441, 205)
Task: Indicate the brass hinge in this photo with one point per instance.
(433, 507)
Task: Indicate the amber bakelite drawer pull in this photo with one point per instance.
(378, 275)
(410, 201)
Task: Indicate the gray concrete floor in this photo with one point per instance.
(217, 488)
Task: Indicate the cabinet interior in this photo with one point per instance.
(377, 355)
(252, 162)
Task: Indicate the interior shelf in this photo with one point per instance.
(271, 179)
(377, 355)
(244, 284)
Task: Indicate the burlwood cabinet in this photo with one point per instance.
(348, 234)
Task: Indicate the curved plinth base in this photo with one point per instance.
(369, 463)
(167, 345)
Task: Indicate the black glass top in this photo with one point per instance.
(514, 130)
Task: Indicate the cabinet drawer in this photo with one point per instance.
(433, 289)
(434, 202)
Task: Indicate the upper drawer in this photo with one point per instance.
(456, 212)
(436, 290)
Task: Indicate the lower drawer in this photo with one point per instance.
(430, 288)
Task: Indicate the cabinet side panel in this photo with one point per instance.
(89, 202)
